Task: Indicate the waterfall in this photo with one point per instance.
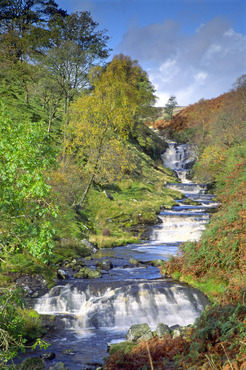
(100, 311)
(179, 158)
(121, 307)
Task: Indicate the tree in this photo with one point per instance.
(76, 46)
(170, 105)
(26, 207)
(102, 120)
(22, 25)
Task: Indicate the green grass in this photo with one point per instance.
(212, 287)
(135, 203)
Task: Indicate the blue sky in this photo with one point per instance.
(192, 49)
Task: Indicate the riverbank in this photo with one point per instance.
(217, 339)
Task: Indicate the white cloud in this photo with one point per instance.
(202, 65)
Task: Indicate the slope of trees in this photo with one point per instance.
(69, 123)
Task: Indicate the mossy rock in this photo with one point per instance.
(134, 262)
(162, 329)
(87, 273)
(58, 366)
(32, 363)
(139, 332)
(104, 265)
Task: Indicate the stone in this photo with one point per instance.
(58, 366)
(134, 262)
(68, 351)
(162, 329)
(139, 332)
(34, 286)
(87, 273)
(48, 355)
(176, 331)
(92, 248)
(62, 274)
(104, 265)
(32, 363)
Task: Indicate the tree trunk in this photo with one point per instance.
(86, 191)
(79, 204)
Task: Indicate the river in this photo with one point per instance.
(97, 312)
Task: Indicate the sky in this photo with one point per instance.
(192, 49)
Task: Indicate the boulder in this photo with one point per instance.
(134, 262)
(34, 286)
(48, 356)
(104, 265)
(139, 332)
(62, 274)
(92, 248)
(32, 363)
(162, 330)
(87, 273)
(175, 331)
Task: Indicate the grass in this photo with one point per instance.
(135, 204)
(212, 287)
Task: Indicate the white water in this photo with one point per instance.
(101, 311)
(119, 308)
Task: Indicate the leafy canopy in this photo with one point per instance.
(102, 119)
(26, 209)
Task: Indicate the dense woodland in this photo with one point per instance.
(74, 127)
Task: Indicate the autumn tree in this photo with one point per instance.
(101, 120)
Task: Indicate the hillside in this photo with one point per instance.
(216, 264)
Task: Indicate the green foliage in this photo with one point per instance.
(17, 326)
(101, 121)
(26, 157)
(170, 105)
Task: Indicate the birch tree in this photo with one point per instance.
(102, 120)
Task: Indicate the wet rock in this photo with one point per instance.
(104, 265)
(68, 351)
(87, 273)
(75, 265)
(156, 263)
(139, 332)
(92, 248)
(134, 262)
(176, 333)
(62, 274)
(48, 356)
(34, 286)
(162, 329)
(32, 363)
(58, 366)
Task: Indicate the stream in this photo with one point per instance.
(97, 312)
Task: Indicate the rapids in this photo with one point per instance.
(100, 311)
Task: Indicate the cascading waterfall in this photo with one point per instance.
(121, 307)
(99, 311)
